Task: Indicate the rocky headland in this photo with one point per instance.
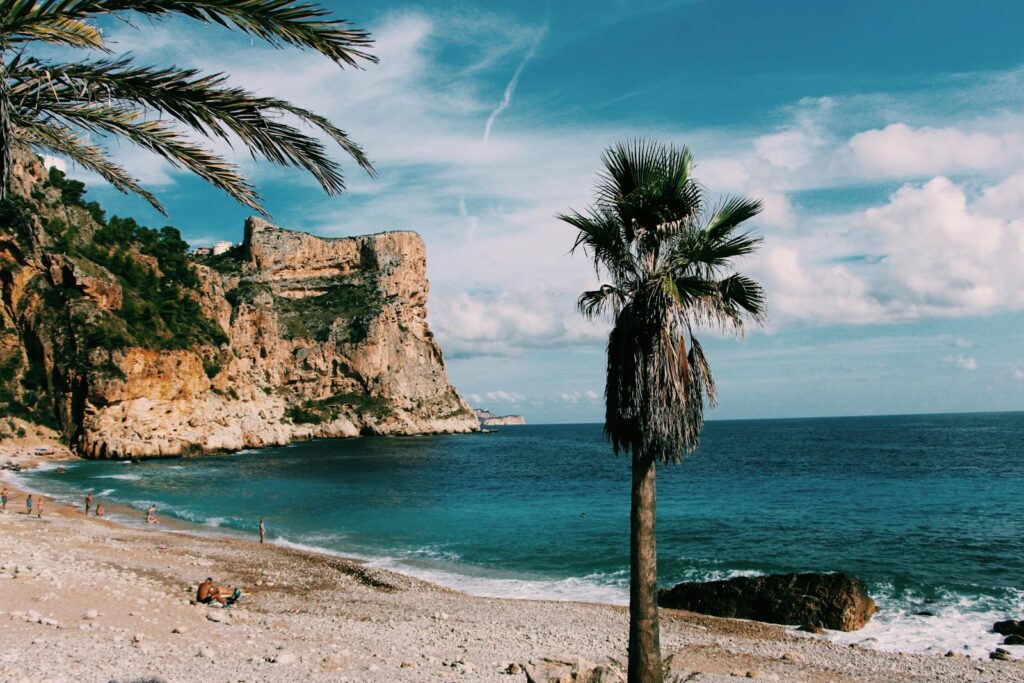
(489, 419)
(112, 335)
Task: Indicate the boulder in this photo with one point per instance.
(1010, 627)
(1013, 639)
(834, 601)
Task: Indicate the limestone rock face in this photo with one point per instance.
(324, 338)
(833, 601)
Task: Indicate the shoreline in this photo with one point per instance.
(327, 617)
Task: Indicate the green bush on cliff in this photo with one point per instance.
(358, 303)
(325, 410)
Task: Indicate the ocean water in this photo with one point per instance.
(927, 509)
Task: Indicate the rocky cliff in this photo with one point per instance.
(112, 335)
(489, 419)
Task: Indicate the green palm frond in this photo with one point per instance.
(730, 214)
(115, 98)
(68, 143)
(278, 22)
(604, 301)
(159, 137)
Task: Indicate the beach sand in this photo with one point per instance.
(85, 599)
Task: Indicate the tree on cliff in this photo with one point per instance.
(667, 256)
(55, 107)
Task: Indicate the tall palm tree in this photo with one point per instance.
(667, 256)
(59, 107)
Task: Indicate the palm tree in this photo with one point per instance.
(667, 255)
(58, 107)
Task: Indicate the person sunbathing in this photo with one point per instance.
(207, 593)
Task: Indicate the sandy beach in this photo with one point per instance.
(86, 599)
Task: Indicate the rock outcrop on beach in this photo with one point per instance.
(489, 419)
(833, 601)
(112, 335)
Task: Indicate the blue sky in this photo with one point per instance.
(886, 139)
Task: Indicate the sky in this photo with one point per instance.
(885, 139)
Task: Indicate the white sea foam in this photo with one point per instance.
(601, 588)
(126, 477)
(961, 625)
(105, 492)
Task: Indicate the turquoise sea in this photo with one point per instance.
(927, 509)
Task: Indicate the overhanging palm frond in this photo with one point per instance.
(116, 97)
(158, 137)
(278, 22)
(67, 143)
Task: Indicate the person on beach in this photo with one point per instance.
(207, 593)
(3, 499)
(88, 503)
(39, 508)
(28, 505)
(151, 515)
(263, 530)
(99, 510)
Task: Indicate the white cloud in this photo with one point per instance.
(510, 89)
(507, 322)
(477, 400)
(932, 250)
(49, 161)
(900, 151)
(501, 275)
(575, 397)
(961, 361)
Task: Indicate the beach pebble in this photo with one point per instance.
(793, 657)
(408, 665)
(138, 637)
(219, 616)
(91, 614)
(179, 629)
(513, 669)
(50, 622)
(1000, 654)
(761, 675)
(283, 657)
(206, 653)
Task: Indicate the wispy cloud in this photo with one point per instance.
(963, 362)
(510, 89)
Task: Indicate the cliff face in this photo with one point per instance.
(110, 335)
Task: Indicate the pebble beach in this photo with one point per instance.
(86, 599)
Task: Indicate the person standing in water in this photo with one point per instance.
(151, 515)
(263, 530)
(99, 509)
(28, 505)
(88, 503)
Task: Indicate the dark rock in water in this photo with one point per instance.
(1010, 627)
(834, 601)
(925, 613)
(1000, 654)
(1013, 639)
(811, 628)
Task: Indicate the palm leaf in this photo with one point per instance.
(278, 22)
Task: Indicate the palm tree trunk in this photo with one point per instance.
(644, 637)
